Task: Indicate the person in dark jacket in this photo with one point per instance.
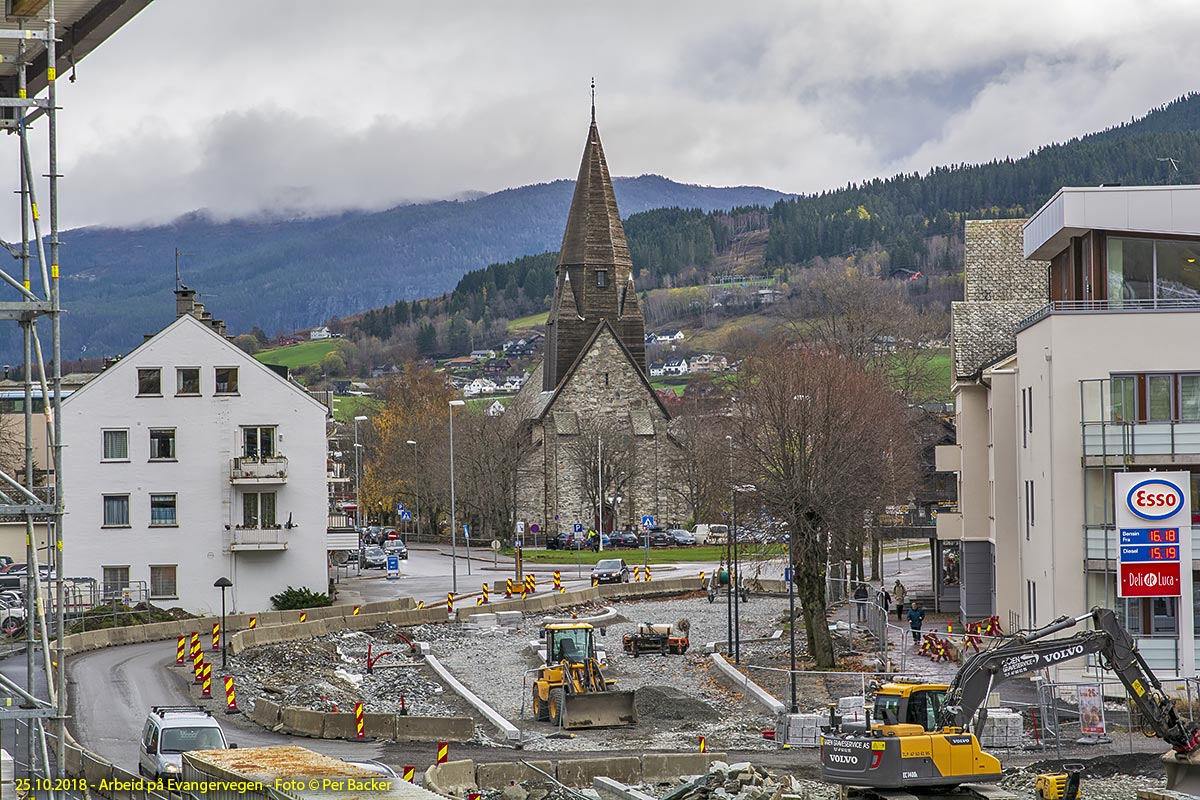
(860, 601)
(916, 616)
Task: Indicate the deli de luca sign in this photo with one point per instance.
(1154, 519)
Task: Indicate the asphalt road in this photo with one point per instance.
(110, 692)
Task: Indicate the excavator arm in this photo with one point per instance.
(1031, 651)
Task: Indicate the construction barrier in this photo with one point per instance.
(648, 577)
(483, 599)
(409, 774)
(358, 721)
(701, 579)
(420, 604)
(354, 613)
(508, 588)
(253, 623)
(304, 616)
(703, 745)
(558, 581)
(195, 645)
(206, 681)
(230, 696)
(443, 752)
(216, 636)
(450, 602)
(198, 667)
(595, 581)
(181, 649)
(637, 572)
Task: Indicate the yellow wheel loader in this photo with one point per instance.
(570, 689)
(923, 735)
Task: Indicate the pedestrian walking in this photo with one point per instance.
(916, 616)
(860, 601)
(899, 594)
(883, 600)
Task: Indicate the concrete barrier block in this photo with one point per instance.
(96, 770)
(116, 636)
(579, 772)
(433, 729)
(265, 713)
(453, 777)
(667, 767)
(74, 761)
(302, 721)
(339, 726)
(379, 726)
(500, 775)
(509, 619)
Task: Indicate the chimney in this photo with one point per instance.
(185, 300)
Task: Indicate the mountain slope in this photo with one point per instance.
(284, 275)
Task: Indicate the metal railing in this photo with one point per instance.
(262, 468)
(1120, 305)
(1108, 431)
(258, 538)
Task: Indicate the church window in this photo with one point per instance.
(606, 379)
(601, 278)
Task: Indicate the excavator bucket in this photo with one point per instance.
(598, 710)
(1183, 772)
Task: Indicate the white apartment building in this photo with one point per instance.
(1075, 358)
(188, 461)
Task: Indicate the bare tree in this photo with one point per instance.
(820, 435)
(699, 480)
(604, 456)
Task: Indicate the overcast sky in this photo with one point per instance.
(285, 106)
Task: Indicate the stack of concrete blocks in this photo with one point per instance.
(800, 730)
(508, 619)
(851, 708)
(1004, 728)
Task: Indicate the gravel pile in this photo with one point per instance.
(744, 781)
(330, 672)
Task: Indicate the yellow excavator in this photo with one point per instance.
(923, 735)
(570, 689)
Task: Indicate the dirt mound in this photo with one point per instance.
(669, 703)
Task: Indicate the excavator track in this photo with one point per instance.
(965, 791)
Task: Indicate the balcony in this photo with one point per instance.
(257, 539)
(1110, 440)
(249, 470)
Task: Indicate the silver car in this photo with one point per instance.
(374, 557)
(171, 731)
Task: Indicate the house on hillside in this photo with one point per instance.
(675, 366)
(668, 337)
(460, 363)
(708, 362)
(322, 332)
(479, 386)
(495, 409)
(190, 461)
(483, 355)
(656, 369)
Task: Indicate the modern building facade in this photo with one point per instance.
(1075, 359)
(189, 461)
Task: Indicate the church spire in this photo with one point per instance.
(595, 268)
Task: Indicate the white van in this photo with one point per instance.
(711, 534)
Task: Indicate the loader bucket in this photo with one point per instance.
(598, 710)
(1183, 772)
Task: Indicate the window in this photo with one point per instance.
(1028, 508)
(1189, 398)
(187, 380)
(227, 380)
(162, 444)
(1024, 417)
(1130, 270)
(162, 581)
(116, 511)
(150, 382)
(601, 278)
(1158, 398)
(163, 510)
(258, 510)
(1159, 272)
(116, 580)
(1124, 398)
(258, 442)
(116, 445)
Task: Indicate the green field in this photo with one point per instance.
(345, 409)
(307, 354)
(525, 323)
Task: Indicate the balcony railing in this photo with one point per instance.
(1121, 305)
(267, 469)
(1107, 433)
(258, 539)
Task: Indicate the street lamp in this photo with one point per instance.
(357, 498)
(792, 616)
(453, 516)
(416, 486)
(223, 583)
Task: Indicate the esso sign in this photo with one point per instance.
(1155, 499)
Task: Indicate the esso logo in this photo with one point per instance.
(1155, 499)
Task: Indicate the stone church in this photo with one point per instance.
(598, 439)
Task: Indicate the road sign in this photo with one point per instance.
(535, 528)
(466, 532)
(556, 517)
(517, 544)
(1154, 534)
(647, 521)
(406, 516)
(496, 544)
(399, 508)
(520, 527)
(577, 527)
(393, 566)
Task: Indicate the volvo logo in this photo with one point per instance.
(842, 759)
(1059, 655)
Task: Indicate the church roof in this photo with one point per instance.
(594, 234)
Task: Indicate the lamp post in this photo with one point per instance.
(792, 617)
(357, 498)
(453, 513)
(730, 539)
(416, 486)
(223, 583)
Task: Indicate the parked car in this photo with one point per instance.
(682, 538)
(12, 615)
(371, 534)
(660, 538)
(5, 561)
(373, 557)
(711, 533)
(14, 576)
(611, 570)
(171, 731)
(626, 539)
(396, 546)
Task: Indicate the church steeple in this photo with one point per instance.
(594, 269)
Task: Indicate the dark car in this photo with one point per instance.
(681, 537)
(567, 541)
(374, 557)
(611, 570)
(660, 538)
(396, 546)
(626, 539)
